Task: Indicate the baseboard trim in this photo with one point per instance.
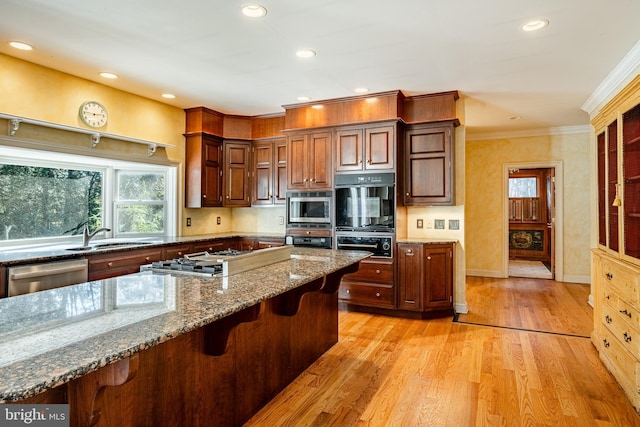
(586, 280)
(461, 308)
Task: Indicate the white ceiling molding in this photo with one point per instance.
(619, 77)
(564, 130)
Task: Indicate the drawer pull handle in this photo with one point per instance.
(626, 313)
(609, 276)
(429, 257)
(110, 264)
(607, 318)
(377, 294)
(377, 271)
(627, 337)
(606, 343)
(608, 297)
(348, 291)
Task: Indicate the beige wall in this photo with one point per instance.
(485, 199)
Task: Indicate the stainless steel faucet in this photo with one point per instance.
(86, 236)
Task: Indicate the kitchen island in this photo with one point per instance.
(172, 349)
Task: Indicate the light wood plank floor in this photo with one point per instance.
(388, 371)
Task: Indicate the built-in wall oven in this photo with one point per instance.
(310, 218)
(365, 212)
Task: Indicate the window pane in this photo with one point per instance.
(523, 187)
(141, 218)
(137, 186)
(47, 202)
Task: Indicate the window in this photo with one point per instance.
(53, 199)
(523, 187)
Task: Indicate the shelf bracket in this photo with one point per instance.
(14, 125)
(95, 139)
(152, 149)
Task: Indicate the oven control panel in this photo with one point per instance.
(379, 246)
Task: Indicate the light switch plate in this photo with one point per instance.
(419, 223)
(439, 224)
(454, 224)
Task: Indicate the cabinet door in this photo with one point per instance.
(349, 154)
(236, 176)
(262, 173)
(612, 183)
(631, 181)
(297, 170)
(428, 160)
(203, 171)
(380, 148)
(280, 172)
(602, 189)
(438, 268)
(320, 162)
(410, 276)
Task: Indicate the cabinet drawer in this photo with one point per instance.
(621, 279)
(215, 246)
(623, 366)
(104, 266)
(366, 294)
(378, 272)
(179, 251)
(628, 337)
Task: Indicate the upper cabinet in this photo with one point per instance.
(427, 169)
(309, 161)
(367, 148)
(269, 172)
(203, 171)
(236, 173)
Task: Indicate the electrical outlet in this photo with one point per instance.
(454, 224)
(429, 223)
(439, 223)
(188, 222)
(420, 223)
(219, 220)
(281, 220)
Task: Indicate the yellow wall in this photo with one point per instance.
(485, 199)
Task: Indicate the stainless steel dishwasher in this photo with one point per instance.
(25, 279)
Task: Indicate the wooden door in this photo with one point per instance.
(297, 170)
(236, 176)
(349, 154)
(410, 277)
(438, 273)
(320, 162)
(262, 174)
(280, 172)
(212, 173)
(380, 148)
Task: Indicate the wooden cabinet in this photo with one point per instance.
(269, 172)
(203, 170)
(617, 320)
(236, 173)
(269, 243)
(309, 161)
(425, 278)
(362, 149)
(118, 263)
(427, 168)
(372, 285)
(177, 251)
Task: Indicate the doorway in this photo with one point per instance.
(531, 220)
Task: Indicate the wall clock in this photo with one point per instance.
(93, 114)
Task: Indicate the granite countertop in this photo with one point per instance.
(49, 338)
(60, 251)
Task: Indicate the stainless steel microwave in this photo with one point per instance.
(309, 207)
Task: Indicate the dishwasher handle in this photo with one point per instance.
(46, 272)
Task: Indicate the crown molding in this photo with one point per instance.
(562, 130)
(620, 76)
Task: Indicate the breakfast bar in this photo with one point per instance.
(170, 349)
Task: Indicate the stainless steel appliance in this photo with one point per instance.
(309, 209)
(222, 263)
(365, 203)
(378, 245)
(25, 279)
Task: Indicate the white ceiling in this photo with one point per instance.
(208, 54)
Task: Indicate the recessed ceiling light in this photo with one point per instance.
(361, 90)
(107, 75)
(535, 25)
(21, 46)
(304, 98)
(254, 10)
(168, 95)
(305, 53)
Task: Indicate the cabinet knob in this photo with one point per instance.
(308, 232)
(606, 343)
(407, 194)
(368, 161)
(409, 251)
(227, 197)
(627, 337)
(147, 258)
(429, 257)
(378, 294)
(180, 253)
(377, 271)
(348, 291)
(204, 196)
(110, 264)
(607, 318)
(304, 180)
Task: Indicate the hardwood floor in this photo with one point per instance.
(388, 371)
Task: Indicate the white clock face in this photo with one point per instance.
(93, 114)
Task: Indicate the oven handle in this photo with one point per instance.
(357, 245)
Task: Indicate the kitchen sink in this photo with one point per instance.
(111, 245)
